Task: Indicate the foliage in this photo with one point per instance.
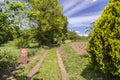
(9, 20)
(22, 43)
(49, 21)
(104, 42)
(72, 35)
(25, 39)
(7, 60)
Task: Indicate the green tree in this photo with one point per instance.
(10, 19)
(104, 43)
(50, 23)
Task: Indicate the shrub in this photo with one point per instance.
(104, 43)
(7, 60)
(22, 43)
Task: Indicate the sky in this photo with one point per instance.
(81, 13)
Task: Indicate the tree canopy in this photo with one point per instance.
(44, 18)
(51, 23)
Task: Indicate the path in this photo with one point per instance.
(36, 67)
(61, 65)
(79, 47)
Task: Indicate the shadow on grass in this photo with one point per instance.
(89, 74)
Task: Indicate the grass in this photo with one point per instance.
(13, 50)
(74, 63)
(22, 75)
(13, 55)
(49, 70)
(78, 67)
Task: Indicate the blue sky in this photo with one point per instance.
(81, 13)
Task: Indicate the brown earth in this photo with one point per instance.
(79, 47)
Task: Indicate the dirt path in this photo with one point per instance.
(36, 67)
(79, 47)
(61, 65)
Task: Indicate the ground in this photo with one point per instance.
(66, 62)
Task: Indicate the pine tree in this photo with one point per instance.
(104, 42)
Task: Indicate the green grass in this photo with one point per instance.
(13, 50)
(49, 70)
(28, 67)
(10, 54)
(74, 64)
(78, 67)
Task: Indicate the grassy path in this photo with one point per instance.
(36, 67)
(74, 63)
(49, 69)
(61, 65)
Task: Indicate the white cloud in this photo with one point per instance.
(82, 20)
(70, 4)
(83, 34)
(94, 0)
(81, 6)
(77, 32)
(72, 7)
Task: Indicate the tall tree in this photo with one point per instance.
(51, 24)
(104, 43)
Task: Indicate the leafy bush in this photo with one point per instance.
(22, 43)
(104, 42)
(7, 60)
(72, 35)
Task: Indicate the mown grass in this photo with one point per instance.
(49, 70)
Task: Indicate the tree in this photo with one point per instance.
(10, 18)
(50, 23)
(104, 44)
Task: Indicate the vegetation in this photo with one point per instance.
(50, 23)
(104, 42)
(78, 67)
(72, 35)
(21, 75)
(9, 20)
(74, 63)
(33, 23)
(49, 70)
(9, 56)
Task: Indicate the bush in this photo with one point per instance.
(104, 43)
(7, 60)
(22, 43)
